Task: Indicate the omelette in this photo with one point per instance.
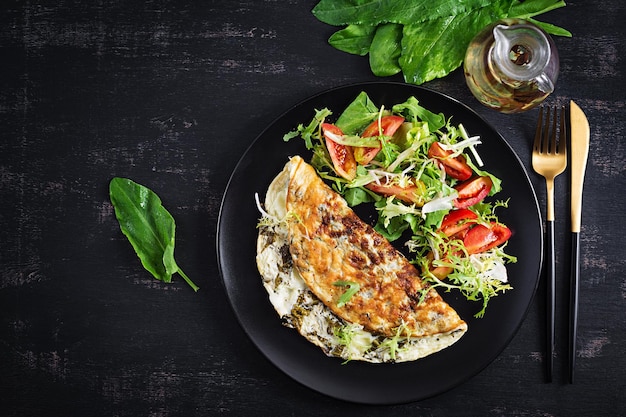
(340, 283)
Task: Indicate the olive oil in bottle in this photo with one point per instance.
(511, 66)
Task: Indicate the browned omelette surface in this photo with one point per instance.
(329, 243)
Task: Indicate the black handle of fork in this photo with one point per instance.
(550, 299)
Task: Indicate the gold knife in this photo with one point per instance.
(579, 152)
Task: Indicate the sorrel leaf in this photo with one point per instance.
(149, 227)
(425, 39)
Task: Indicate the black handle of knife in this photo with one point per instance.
(550, 299)
(573, 303)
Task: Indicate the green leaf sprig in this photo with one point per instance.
(351, 289)
(149, 227)
(423, 39)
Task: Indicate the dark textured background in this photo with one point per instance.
(171, 93)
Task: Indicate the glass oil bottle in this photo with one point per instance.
(511, 66)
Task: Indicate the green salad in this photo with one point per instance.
(425, 177)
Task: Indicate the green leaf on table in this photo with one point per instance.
(551, 29)
(532, 8)
(435, 48)
(374, 12)
(385, 50)
(149, 227)
(353, 39)
(435, 33)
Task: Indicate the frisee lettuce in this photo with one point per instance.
(471, 276)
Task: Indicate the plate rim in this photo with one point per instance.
(363, 86)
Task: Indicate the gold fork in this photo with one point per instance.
(549, 159)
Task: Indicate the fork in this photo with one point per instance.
(549, 159)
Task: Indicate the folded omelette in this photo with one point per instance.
(341, 284)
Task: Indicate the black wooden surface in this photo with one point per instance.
(171, 93)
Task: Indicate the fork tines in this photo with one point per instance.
(546, 143)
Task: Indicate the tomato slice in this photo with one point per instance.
(388, 126)
(455, 167)
(413, 193)
(472, 191)
(481, 238)
(341, 155)
(457, 221)
(440, 272)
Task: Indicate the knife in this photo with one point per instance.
(579, 151)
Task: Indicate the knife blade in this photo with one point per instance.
(579, 151)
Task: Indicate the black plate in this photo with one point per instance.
(357, 381)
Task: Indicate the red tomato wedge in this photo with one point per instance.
(481, 238)
(457, 221)
(388, 126)
(438, 271)
(455, 167)
(341, 155)
(412, 194)
(472, 191)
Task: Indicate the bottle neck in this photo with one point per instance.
(520, 55)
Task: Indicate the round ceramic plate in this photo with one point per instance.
(358, 381)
